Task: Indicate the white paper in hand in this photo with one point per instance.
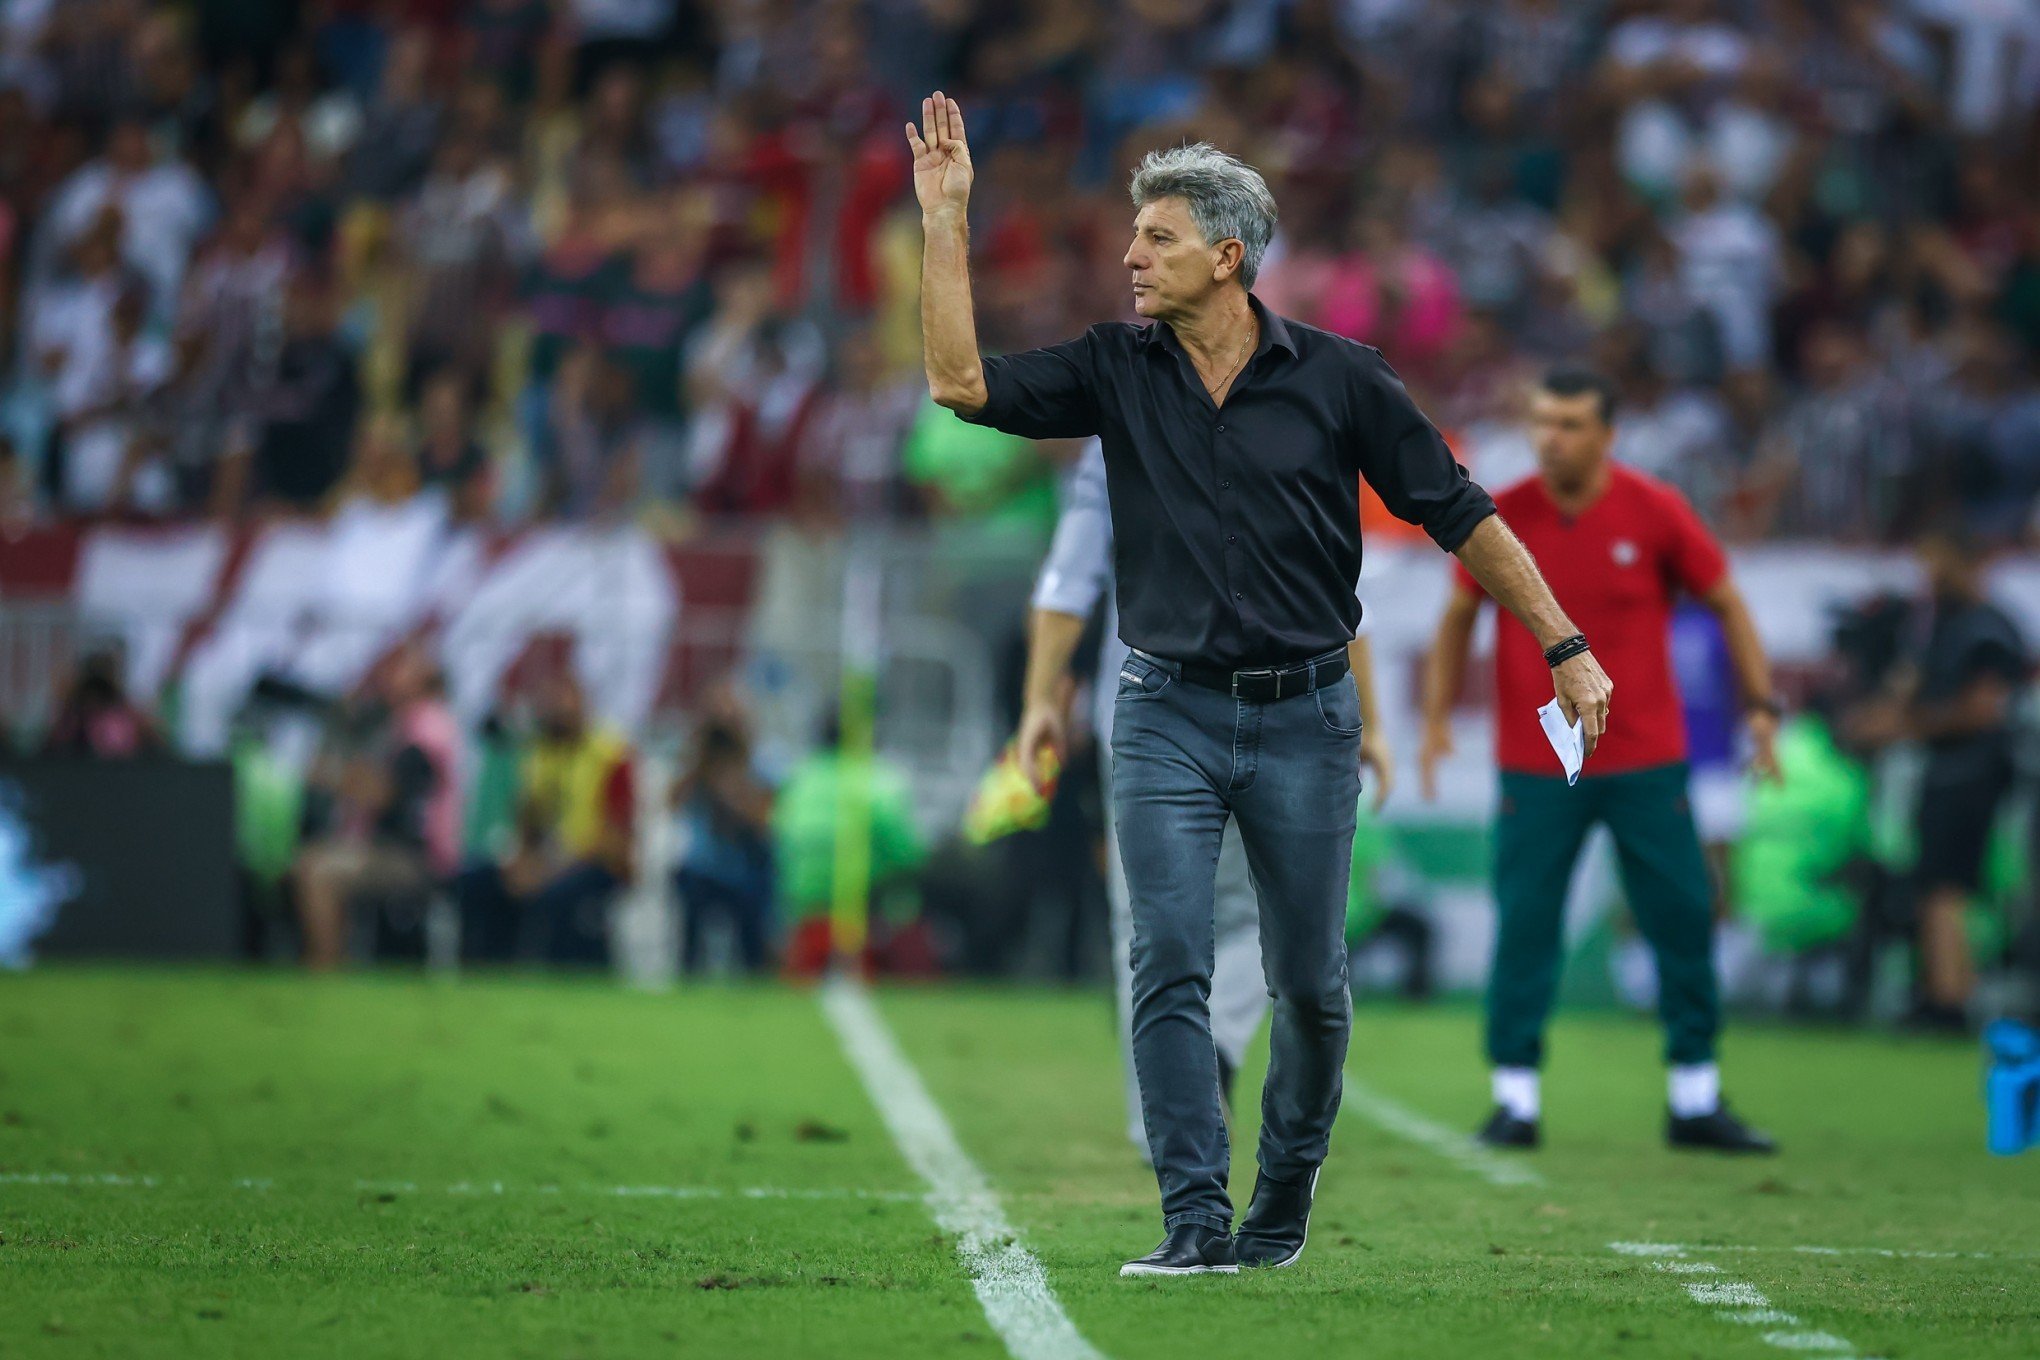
(1566, 738)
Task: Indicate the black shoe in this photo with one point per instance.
(1191, 1249)
(1277, 1222)
(1720, 1131)
(1504, 1130)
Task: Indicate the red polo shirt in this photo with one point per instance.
(1617, 568)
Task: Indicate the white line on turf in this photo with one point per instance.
(1735, 1301)
(1400, 1120)
(1673, 1250)
(1010, 1282)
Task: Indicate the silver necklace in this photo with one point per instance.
(1245, 349)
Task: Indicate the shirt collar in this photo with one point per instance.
(1275, 332)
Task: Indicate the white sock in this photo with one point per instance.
(1694, 1089)
(1516, 1091)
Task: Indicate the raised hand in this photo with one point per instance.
(942, 170)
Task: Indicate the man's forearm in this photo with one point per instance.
(948, 322)
(1052, 639)
(1745, 648)
(1446, 670)
(1505, 569)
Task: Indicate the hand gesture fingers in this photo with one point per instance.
(942, 170)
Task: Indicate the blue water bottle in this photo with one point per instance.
(2011, 1085)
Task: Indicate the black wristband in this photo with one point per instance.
(1565, 650)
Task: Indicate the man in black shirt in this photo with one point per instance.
(1234, 442)
(1955, 698)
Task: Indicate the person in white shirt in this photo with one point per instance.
(164, 208)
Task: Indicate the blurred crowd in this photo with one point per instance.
(370, 824)
(655, 258)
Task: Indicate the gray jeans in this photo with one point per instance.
(1184, 760)
(1239, 986)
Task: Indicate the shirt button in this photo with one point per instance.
(1222, 486)
(1238, 596)
(1221, 429)
(1232, 538)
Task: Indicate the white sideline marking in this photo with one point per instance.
(1451, 1144)
(1011, 1285)
(1734, 1301)
(66, 1178)
(1677, 1249)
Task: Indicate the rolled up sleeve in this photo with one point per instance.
(1407, 462)
(1047, 393)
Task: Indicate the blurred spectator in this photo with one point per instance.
(1834, 459)
(303, 414)
(72, 312)
(229, 325)
(574, 847)
(654, 300)
(111, 375)
(1731, 261)
(849, 463)
(807, 826)
(725, 869)
(591, 439)
(327, 120)
(392, 794)
(98, 719)
(450, 460)
(768, 406)
(457, 239)
(400, 126)
(162, 203)
(1379, 287)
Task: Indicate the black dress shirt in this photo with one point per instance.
(1236, 529)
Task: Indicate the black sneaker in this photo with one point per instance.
(1504, 1130)
(1191, 1249)
(1720, 1132)
(1277, 1222)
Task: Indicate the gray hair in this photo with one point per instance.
(1227, 197)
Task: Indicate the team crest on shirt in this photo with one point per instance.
(1624, 552)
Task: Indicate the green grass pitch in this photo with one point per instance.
(223, 1164)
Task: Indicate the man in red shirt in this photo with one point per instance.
(1617, 548)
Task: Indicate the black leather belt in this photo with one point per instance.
(1266, 684)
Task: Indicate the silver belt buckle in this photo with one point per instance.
(1263, 670)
